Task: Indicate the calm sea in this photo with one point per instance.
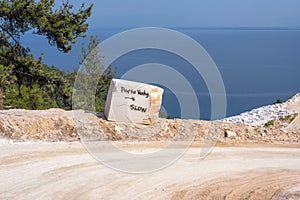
(257, 66)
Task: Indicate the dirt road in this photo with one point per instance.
(67, 171)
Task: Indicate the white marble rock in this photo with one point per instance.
(133, 102)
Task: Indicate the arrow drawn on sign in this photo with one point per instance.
(132, 98)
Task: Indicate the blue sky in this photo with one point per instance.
(193, 13)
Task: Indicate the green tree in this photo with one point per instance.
(278, 101)
(88, 95)
(163, 114)
(6, 78)
(19, 69)
(61, 26)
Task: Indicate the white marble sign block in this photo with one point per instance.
(129, 101)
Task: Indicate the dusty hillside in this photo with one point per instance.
(59, 125)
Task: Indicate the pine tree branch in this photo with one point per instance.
(10, 35)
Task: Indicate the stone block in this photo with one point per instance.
(230, 134)
(133, 102)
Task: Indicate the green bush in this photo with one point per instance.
(278, 101)
(289, 118)
(269, 123)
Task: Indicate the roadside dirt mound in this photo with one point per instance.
(59, 125)
(295, 105)
(47, 125)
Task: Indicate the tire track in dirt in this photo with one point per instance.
(60, 171)
(37, 155)
(259, 184)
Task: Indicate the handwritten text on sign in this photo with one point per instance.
(130, 101)
(138, 91)
(134, 107)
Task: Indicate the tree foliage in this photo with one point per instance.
(26, 82)
(61, 26)
(88, 95)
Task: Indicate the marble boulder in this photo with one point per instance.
(133, 102)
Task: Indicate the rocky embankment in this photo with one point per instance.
(55, 125)
(261, 116)
(46, 125)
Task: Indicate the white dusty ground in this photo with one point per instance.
(67, 171)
